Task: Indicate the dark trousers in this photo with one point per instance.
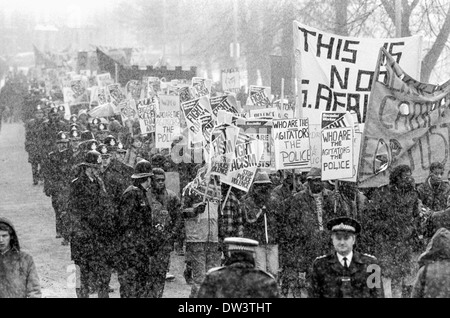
(159, 265)
(93, 273)
(135, 282)
(57, 208)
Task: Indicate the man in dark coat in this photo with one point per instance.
(167, 220)
(33, 128)
(345, 273)
(57, 183)
(18, 275)
(87, 222)
(391, 228)
(433, 278)
(304, 232)
(136, 235)
(239, 278)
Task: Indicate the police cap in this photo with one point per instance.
(240, 244)
(344, 224)
(62, 137)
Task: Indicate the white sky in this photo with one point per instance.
(53, 6)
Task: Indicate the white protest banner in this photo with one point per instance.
(224, 102)
(337, 153)
(337, 71)
(104, 79)
(223, 143)
(146, 109)
(265, 112)
(76, 93)
(231, 81)
(259, 96)
(197, 113)
(185, 93)
(102, 96)
(167, 126)
(291, 144)
(201, 86)
(243, 166)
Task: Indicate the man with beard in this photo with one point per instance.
(304, 232)
(57, 183)
(32, 143)
(167, 221)
(136, 235)
(262, 222)
(390, 224)
(88, 222)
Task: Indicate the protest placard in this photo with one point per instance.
(128, 112)
(337, 153)
(231, 81)
(152, 86)
(244, 164)
(265, 112)
(197, 113)
(201, 86)
(223, 143)
(291, 144)
(116, 95)
(133, 89)
(260, 129)
(169, 103)
(146, 109)
(334, 73)
(259, 96)
(224, 102)
(104, 79)
(167, 126)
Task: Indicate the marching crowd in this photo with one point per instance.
(291, 234)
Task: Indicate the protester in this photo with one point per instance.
(201, 212)
(434, 192)
(345, 273)
(239, 278)
(433, 278)
(167, 221)
(19, 278)
(304, 231)
(391, 229)
(262, 221)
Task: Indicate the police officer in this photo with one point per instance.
(136, 235)
(57, 182)
(345, 273)
(87, 225)
(239, 278)
(102, 132)
(33, 129)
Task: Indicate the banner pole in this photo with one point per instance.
(336, 195)
(226, 198)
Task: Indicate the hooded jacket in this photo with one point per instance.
(433, 278)
(18, 275)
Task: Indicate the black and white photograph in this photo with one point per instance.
(251, 151)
